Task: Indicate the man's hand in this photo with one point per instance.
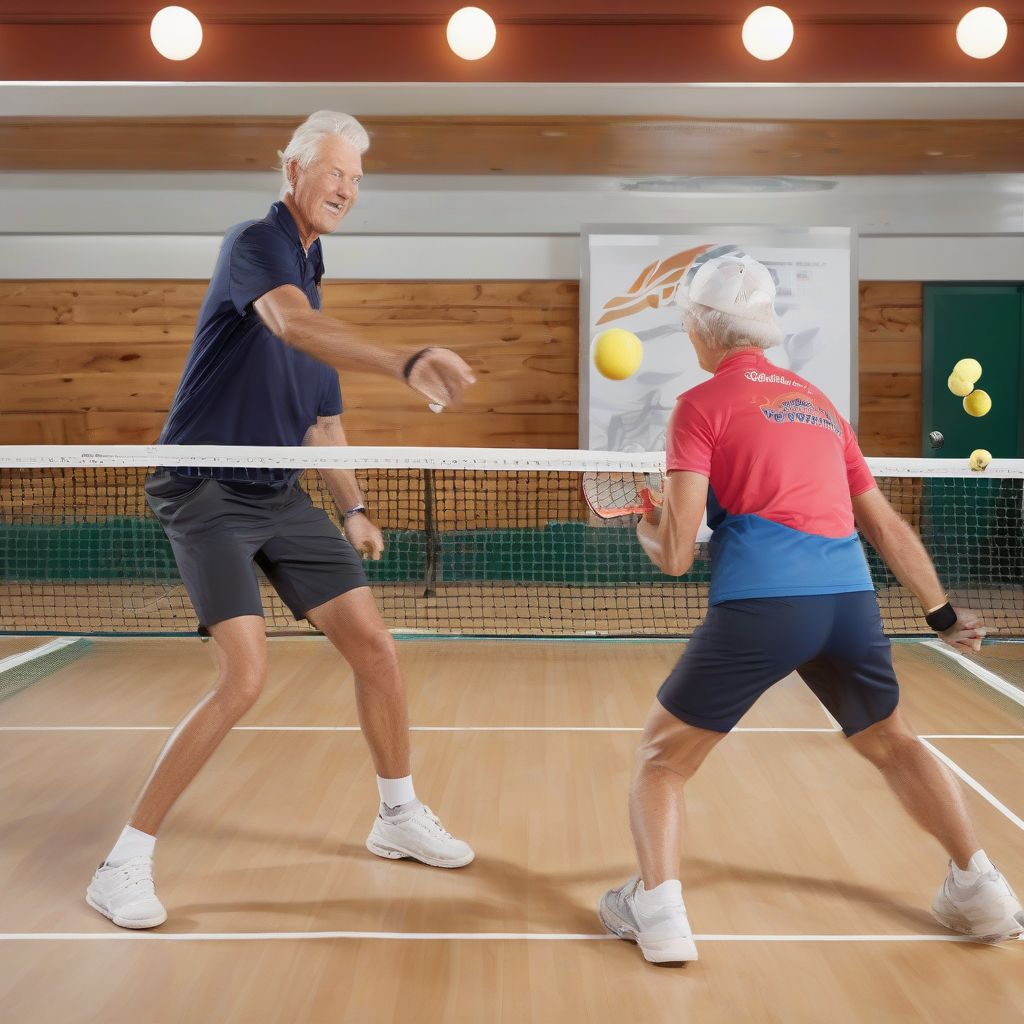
(647, 534)
(669, 536)
(440, 376)
(365, 536)
(967, 632)
(647, 528)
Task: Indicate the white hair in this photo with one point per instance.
(305, 141)
(728, 331)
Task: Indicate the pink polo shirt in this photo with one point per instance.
(782, 466)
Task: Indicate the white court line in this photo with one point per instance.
(974, 736)
(997, 682)
(123, 936)
(836, 727)
(356, 728)
(975, 785)
(37, 652)
(474, 728)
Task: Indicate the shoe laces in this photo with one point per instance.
(435, 823)
(138, 875)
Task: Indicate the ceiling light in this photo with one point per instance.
(176, 33)
(981, 32)
(767, 33)
(471, 33)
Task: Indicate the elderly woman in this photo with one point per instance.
(783, 481)
(262, 371)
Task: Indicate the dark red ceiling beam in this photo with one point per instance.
(504, 11)
(416, 51)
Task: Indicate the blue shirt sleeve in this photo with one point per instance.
(330, 394)
(261, 260)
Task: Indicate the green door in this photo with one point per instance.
(973, 527)
(982, 322)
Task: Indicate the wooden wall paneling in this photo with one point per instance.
(98, 361)
(890, 367)
(489, 144)
(92, 427)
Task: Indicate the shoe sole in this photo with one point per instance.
(122, 922)
(394, 852)
(672, 953)
(1013, 929)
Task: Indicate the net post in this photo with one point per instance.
(430, 532)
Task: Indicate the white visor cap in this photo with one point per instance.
(735, 284)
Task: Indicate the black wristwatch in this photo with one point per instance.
(355, 510)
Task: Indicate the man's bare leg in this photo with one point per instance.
(922, 783)
(404, 827)
(122, 887)
(670, 754)
(354, 625)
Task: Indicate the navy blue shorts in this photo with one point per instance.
(834, 641)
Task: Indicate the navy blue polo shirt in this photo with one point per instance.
(242, 385)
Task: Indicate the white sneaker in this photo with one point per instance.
(126, 895)
(662, 933)
(418, 834)
(987, 909)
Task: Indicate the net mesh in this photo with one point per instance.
(23, 673)
(471, 549)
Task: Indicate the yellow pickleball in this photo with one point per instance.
(980, 458)
(618, 353)
(960, 387)
(977, 403)
(968, 370)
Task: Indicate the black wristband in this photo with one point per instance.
(413, 360)
(942, 618)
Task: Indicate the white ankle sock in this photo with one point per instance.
(394, 792)
(670, 891)
(131, 843)
(979, 864)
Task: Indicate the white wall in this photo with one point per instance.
(766, 100)
(416, 257)
(934, 227)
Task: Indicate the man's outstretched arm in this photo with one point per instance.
(438, 374)
(900, 547)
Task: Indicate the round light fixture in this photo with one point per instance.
(981, 32)
(471, 33)
(176, 32)
(767, 33)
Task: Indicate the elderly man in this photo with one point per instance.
(262, 371)
(790, 591)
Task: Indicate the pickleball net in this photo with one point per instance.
(479, 542)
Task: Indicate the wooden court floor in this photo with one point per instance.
(807, 887)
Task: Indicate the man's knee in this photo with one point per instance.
(673, 745)
(377, 657)
(242, 680)
(886, 742)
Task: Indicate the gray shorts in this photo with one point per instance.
(219, 534)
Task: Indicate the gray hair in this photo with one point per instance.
(305, 141)
(728, 331)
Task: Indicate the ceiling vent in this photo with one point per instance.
(685, 185)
